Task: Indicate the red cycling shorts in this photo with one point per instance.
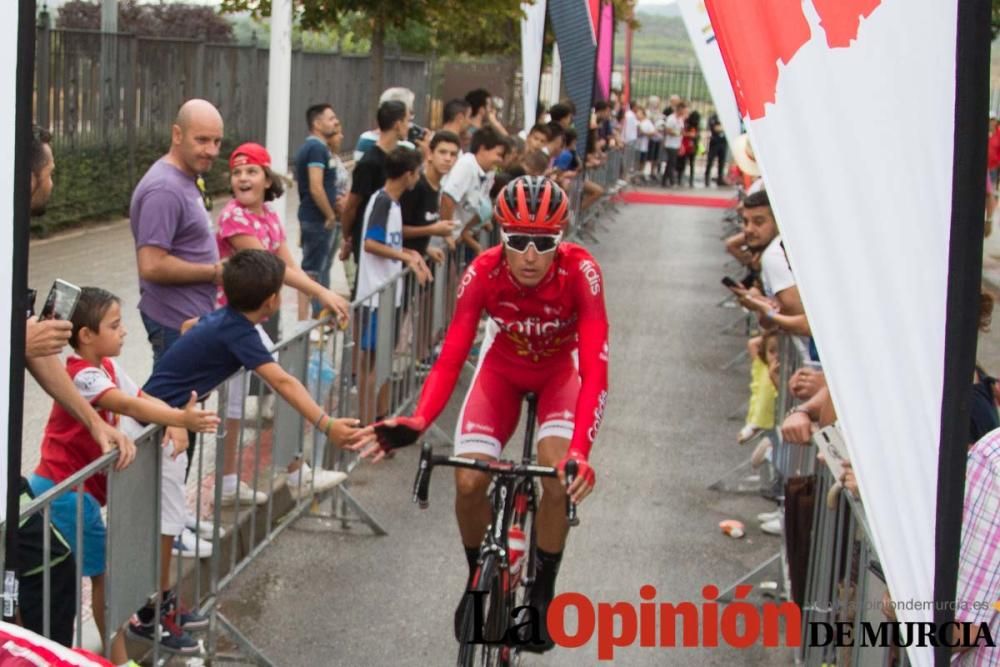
(492, 408)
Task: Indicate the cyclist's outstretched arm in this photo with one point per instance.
(593, 352)
(455, 349)
(401, 431)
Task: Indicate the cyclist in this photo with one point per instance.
(547, 333)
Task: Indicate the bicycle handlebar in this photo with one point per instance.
(421, 485)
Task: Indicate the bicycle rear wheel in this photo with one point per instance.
(492, 592)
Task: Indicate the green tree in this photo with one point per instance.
(470, 26)
(995, 19)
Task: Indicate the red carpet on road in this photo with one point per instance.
(667, 199)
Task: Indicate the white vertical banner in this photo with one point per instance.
(706, 48)
(279, 90)
(8, 92)
(555, 81)
(532, 43)
(867, 239)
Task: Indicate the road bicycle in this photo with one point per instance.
(489, 631)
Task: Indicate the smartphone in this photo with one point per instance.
(830, 443)
(61, 301)
(32, 297)
(730, 283)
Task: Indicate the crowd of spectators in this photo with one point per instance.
(767, 291)
(209, 296)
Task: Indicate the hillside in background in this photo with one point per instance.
(661, 39)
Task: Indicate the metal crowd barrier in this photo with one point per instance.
(787, 461)
(611, 176)
(132, 543)
(373, 369)
(845, 582)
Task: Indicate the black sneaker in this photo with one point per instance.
(172, 638)
(540, 601)
(186, 619)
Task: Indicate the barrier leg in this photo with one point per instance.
(767, 573)
(248, 652)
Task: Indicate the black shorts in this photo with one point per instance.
(62, 597)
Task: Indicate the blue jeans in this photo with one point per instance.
(161, 337)
(317, 253)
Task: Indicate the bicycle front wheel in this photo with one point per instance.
(487, 620)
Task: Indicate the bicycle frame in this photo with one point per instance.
(511, 482)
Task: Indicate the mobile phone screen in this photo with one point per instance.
(730, 283)
(61, 301)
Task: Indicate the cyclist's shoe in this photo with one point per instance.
(538, 599)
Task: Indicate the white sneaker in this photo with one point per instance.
(188, 545)
(247, 496)
(764, 517)
(772, 527)
(203, 527)
(318, 480)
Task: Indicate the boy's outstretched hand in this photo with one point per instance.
(179, 437)
(391, 434)
(198, 420)
(346, 432)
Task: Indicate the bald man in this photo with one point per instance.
(176, 252)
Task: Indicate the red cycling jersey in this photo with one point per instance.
(537, 330)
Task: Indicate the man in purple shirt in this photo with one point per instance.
(176, 252)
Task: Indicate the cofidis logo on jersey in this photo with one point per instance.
(573, 620)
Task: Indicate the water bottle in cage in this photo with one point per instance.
(321, 374)
(516, 544)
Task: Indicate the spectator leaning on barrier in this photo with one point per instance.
(369, 175)
(383, 256)
(538, 138)
(43, 343)
(782, 306)
(98, 336)
(421, 205)
(465, 191)
(176, 253)
(316, 175)
(249, 223)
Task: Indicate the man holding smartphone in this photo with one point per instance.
(44, 340)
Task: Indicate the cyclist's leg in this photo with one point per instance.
(488, 417)
(556, 408)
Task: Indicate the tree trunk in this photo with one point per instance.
(378, 63)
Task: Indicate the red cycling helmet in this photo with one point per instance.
(532, 204)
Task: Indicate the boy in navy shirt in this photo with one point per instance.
(228, 340)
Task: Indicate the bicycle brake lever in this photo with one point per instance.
(571, 517)
(421, 486)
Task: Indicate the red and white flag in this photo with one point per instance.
(850, 105)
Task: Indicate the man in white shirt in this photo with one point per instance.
(465, 192)
(673, 128)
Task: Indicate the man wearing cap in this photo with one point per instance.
(176, 253)
(316, 175)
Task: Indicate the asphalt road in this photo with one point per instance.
(330, 598)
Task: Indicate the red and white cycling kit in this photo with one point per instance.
(551, 339)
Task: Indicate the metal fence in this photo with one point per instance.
(663, 82)
(371, 369)
(110, 100)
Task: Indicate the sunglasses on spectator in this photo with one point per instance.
(544, 243)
